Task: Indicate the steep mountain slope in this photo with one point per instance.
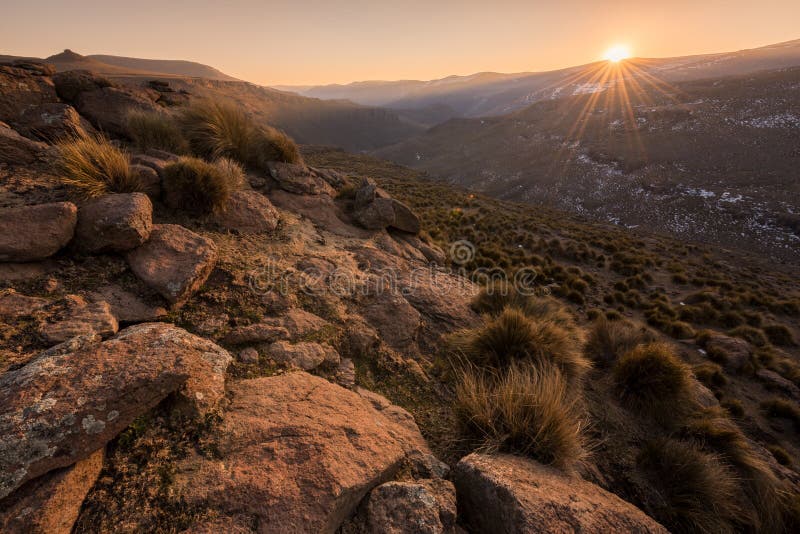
(488, 94)
(711, 160)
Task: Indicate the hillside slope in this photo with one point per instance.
(709, 160)
(191, 69)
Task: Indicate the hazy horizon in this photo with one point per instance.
(309, 42)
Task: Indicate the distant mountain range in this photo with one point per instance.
(492, 94)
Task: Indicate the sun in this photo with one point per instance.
(617, 53)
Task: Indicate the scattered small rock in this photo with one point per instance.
(419, 507)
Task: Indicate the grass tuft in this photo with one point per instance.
(95, 167)
(610, 340)
(196, 186)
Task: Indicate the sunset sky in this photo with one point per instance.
(329, 41)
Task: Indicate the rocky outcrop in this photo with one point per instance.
(397, 321)
(52, 122)
(106, 108)
(14, 305)
(16, 149)
(32, 233)
(248, 212)
(175, 262)
(50, 504)
(304, 355)
(374, 209)
(72, 399)
(503, 494)
(298, 453)
(69, 84)
(114, 223)
(298, 179)
(22, 89)
(294, 324)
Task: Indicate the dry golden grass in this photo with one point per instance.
(609, 340)
(216, 130)
(699, 494)
(513, 335)
(95, 167)
(651, 379)
(527, 410)
(155, 130)
(196, 186)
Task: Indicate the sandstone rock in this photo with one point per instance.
(32, 233)
(505, 494)
(70, 84)
(424, 465)
(157, 164)
(256, 333)
(420, 507)
(16, 149)
(362, 338)
(733, 352)
(375, 209)
(35, 67)
(150, 180)
(248, 212)
(346, 373)
(106, 108)
(126, 306)
(72, 316)
(303, 355)
(22, 89)
(50, 504)
(298, 179)
(51, 122)
(175, 262)
(114, 223)
(397, 321)
(64, 404)
(248, 355)
(14, 305)
(334, 178)
(376, 215)
(320, 209)
(26, 272)
(298, 453)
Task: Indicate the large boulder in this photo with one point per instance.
(106, 108)
(298, 454)
(50, 504)
(32, 233)
(418, 507)
(72, 399)
(507, 494)
(52, 122)
(375, 209)
(69, 84)
(175, 262)
(248, 212)
(114, 223)
(16, 149)
(298, 179)
(22, 89)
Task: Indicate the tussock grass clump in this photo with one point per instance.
(95, 167)
(513, 336)
(780, 335)
(653, 380)
(610, 340)
(220, 130)
(699, 494)
(782, 408)
(526, 410)
(711, 375)
(196, 186)
(155, 130)
(753, 335)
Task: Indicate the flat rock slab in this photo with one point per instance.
(114, 223)
(51, 503)
(504, 494)
(14, 305)
(74, 398)
(175, 262)
(127, 307)
(298, 453)
(303, 355)
(32, 233)
(299, 179)
(73, 316)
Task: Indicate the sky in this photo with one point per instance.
(304, 42)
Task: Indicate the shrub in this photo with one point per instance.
(609, 340)
(95, 167)
(779, 334)
(653, 380)
(195, 186)
(698, 493)
(216, 130)
(155, 130)
(512, 336)
(527, 410)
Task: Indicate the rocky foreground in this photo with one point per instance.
(248, 322)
